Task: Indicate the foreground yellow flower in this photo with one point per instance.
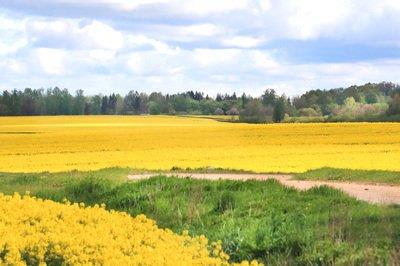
(36, 144)
(35, 231)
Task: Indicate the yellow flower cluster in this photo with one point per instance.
(39, 232)
(36, 144)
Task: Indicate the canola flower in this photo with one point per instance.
(39, 232)
(54, 144)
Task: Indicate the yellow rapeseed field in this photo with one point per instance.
(35, 144)
(45, 232)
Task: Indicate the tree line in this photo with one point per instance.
(368, 102)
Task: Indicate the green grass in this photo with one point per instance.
(305, 119)
(53, 182)
(335, 174)
(255, 219)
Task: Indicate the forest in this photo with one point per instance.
(368, 102)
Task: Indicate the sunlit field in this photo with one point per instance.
(36, 144)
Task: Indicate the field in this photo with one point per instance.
(86, 160)
(54, 144)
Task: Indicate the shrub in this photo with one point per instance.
(354, 111)
(309, 112)
(232, 111)
(219, 111)
(254, 112)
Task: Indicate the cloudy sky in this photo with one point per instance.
(209, 45)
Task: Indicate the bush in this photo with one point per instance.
(232, 111)
(309, 112)
(219, 111)
(355, 111)
(305, 119)
(254, 112)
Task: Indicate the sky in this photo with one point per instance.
(225, 46)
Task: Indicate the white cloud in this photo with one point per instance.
(100, 35)
(264, 61)
(211, 6)
(124, 5)
(185, 33)
(215, 57)
(7, 23)
(12, 46)
(12, 65)
(101, 55)
(134, 63)
(309, 19)
(242, 41)
(12, 36)
(94, 35)
(138, 41)
(265, 5)
(205, 30)
(156, 63)
(129, 4)
(159, 44)
(52, 61)
(15, 66)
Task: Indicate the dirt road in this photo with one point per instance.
(374, 193)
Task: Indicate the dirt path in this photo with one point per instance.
(374, 193)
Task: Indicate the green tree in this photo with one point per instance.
(279, 110)
(95, 105)
(394, 106)
(154, 108)
(27, 102)
(244, 100)
(208, 107)
(269, 97)
(350, 103)
(79, 103)
(180, 103)
(104, 105)
(254, 112)
(371, 97)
